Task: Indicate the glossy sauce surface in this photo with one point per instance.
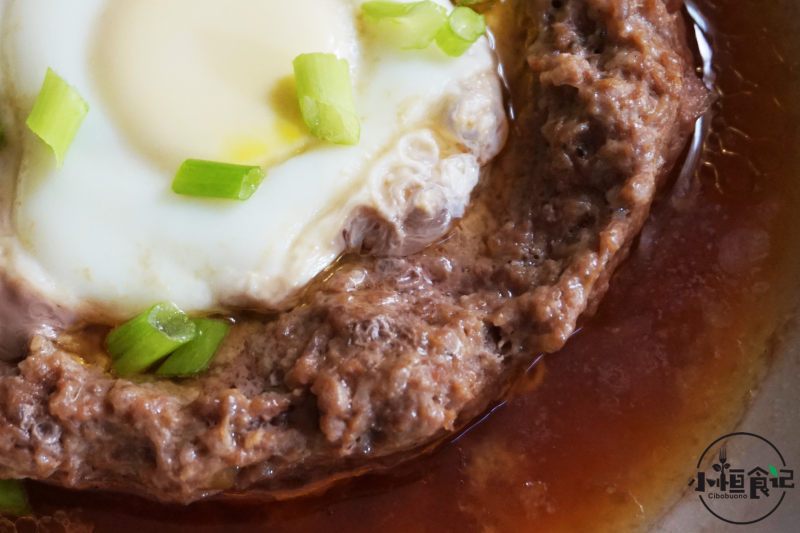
(605, 433)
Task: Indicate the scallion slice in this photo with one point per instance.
(325, 94)
(195, 356)
(217, 180)
(464, 26)
(147, 338)
(405, 25)
(13, 500)
(57, 114)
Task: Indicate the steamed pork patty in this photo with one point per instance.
(388, 353)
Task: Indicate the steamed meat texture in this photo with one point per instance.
(391, 353)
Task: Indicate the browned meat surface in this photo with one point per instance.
(389, 354)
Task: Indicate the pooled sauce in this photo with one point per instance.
(603, 434)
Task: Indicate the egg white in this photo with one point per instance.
(106, 236)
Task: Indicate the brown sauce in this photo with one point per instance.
(604, 434)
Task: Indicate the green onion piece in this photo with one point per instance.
(143, 340)
(12, 498)
(464, 27)
(326, 100)
(57, 114)
(217, 180)
(405, 25)
(195, 356)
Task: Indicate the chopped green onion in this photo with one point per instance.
(464, 26)
(217, 180)
(143, 340)
(405, 25)
(325, 95)
(12, 498)
(195, 356)
(57, 114)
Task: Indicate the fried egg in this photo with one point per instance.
(167, 81)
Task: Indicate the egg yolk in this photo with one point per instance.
(233, 97)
